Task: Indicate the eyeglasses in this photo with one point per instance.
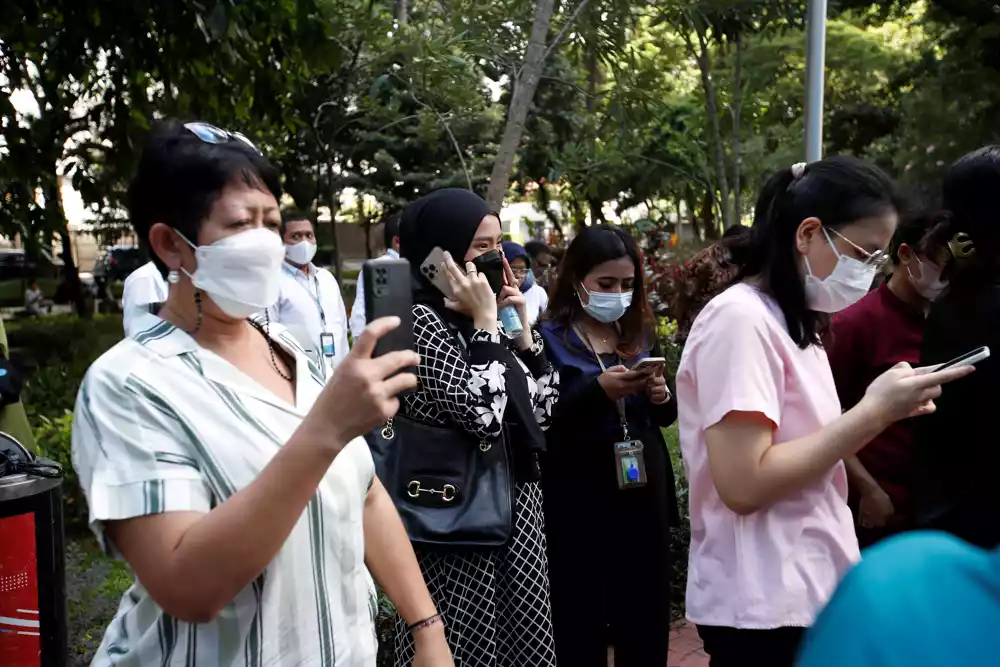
(878, 259)
(211, 134)
(519, 272)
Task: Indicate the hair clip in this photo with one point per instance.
(798, 170)
(961, 246)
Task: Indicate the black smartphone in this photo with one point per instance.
(389, 291)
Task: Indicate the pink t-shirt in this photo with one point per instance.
(779, 566)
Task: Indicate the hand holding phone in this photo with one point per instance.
(903, 391)
(650, 365)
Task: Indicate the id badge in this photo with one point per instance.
(326, 345)
(630, 467)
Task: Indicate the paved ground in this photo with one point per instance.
(685, 648)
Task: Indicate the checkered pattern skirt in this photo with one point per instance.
(495, 601)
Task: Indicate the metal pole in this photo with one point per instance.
(815, 77)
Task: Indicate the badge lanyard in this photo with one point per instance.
(326, 342)
(630, 466)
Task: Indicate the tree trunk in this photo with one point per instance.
(544, 203)
(596, 212)
(737, 130)
(403, 11)
(56, 219)
(704, 58)
(708, 216)
(333, 197)
(692, 210)
(524, 93)
(579, 219)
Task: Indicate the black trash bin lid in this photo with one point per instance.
(22, 473)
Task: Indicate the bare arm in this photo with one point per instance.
(390, 558)
(859, 475)
(194, 564)
(750, 474)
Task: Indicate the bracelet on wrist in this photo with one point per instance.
(430, 620)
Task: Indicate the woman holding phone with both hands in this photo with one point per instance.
(609, 505)
(762, 433)
(489, 389)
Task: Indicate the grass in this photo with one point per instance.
(95, 585)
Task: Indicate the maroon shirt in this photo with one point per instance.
(866, 340)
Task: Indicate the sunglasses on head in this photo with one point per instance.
(211, 134)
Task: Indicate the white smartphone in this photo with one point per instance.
(651, 365)
(433, 271)
(967, 359)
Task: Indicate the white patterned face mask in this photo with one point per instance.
(849, 281)
(240, 273)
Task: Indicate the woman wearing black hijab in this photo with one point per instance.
(495, 601)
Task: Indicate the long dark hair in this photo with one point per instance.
(838, 191)
(591, 247)
(969, 196)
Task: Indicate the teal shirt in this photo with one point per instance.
(918, 600)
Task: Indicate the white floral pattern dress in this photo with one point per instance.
(495, 601)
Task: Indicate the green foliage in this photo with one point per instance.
(57, 352)
(53, 437)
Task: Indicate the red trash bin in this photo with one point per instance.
(32, 572)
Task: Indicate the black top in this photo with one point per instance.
(957, 449)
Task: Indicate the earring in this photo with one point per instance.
(174, 277)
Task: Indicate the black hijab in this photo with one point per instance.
(448, 219)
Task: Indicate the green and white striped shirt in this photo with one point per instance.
(164, 425)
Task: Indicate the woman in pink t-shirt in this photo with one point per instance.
(761, 428)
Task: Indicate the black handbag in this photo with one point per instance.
(449, 488)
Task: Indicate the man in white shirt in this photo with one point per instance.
(144, 287)
(390, 233)
(310, 305)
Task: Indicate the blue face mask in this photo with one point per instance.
(606, 307)
(529, 282)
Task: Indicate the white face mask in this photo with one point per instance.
(240, 273)
(928, 283)
(846, 285)
(300, 253)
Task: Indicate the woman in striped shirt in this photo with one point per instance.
(214, 460)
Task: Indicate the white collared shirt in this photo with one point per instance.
(298, 309)
(164, 425)
(358, 316)
(143, 287)
(536, 300)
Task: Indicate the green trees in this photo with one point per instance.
(680, 107)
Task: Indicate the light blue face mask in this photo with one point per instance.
(606, 307)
